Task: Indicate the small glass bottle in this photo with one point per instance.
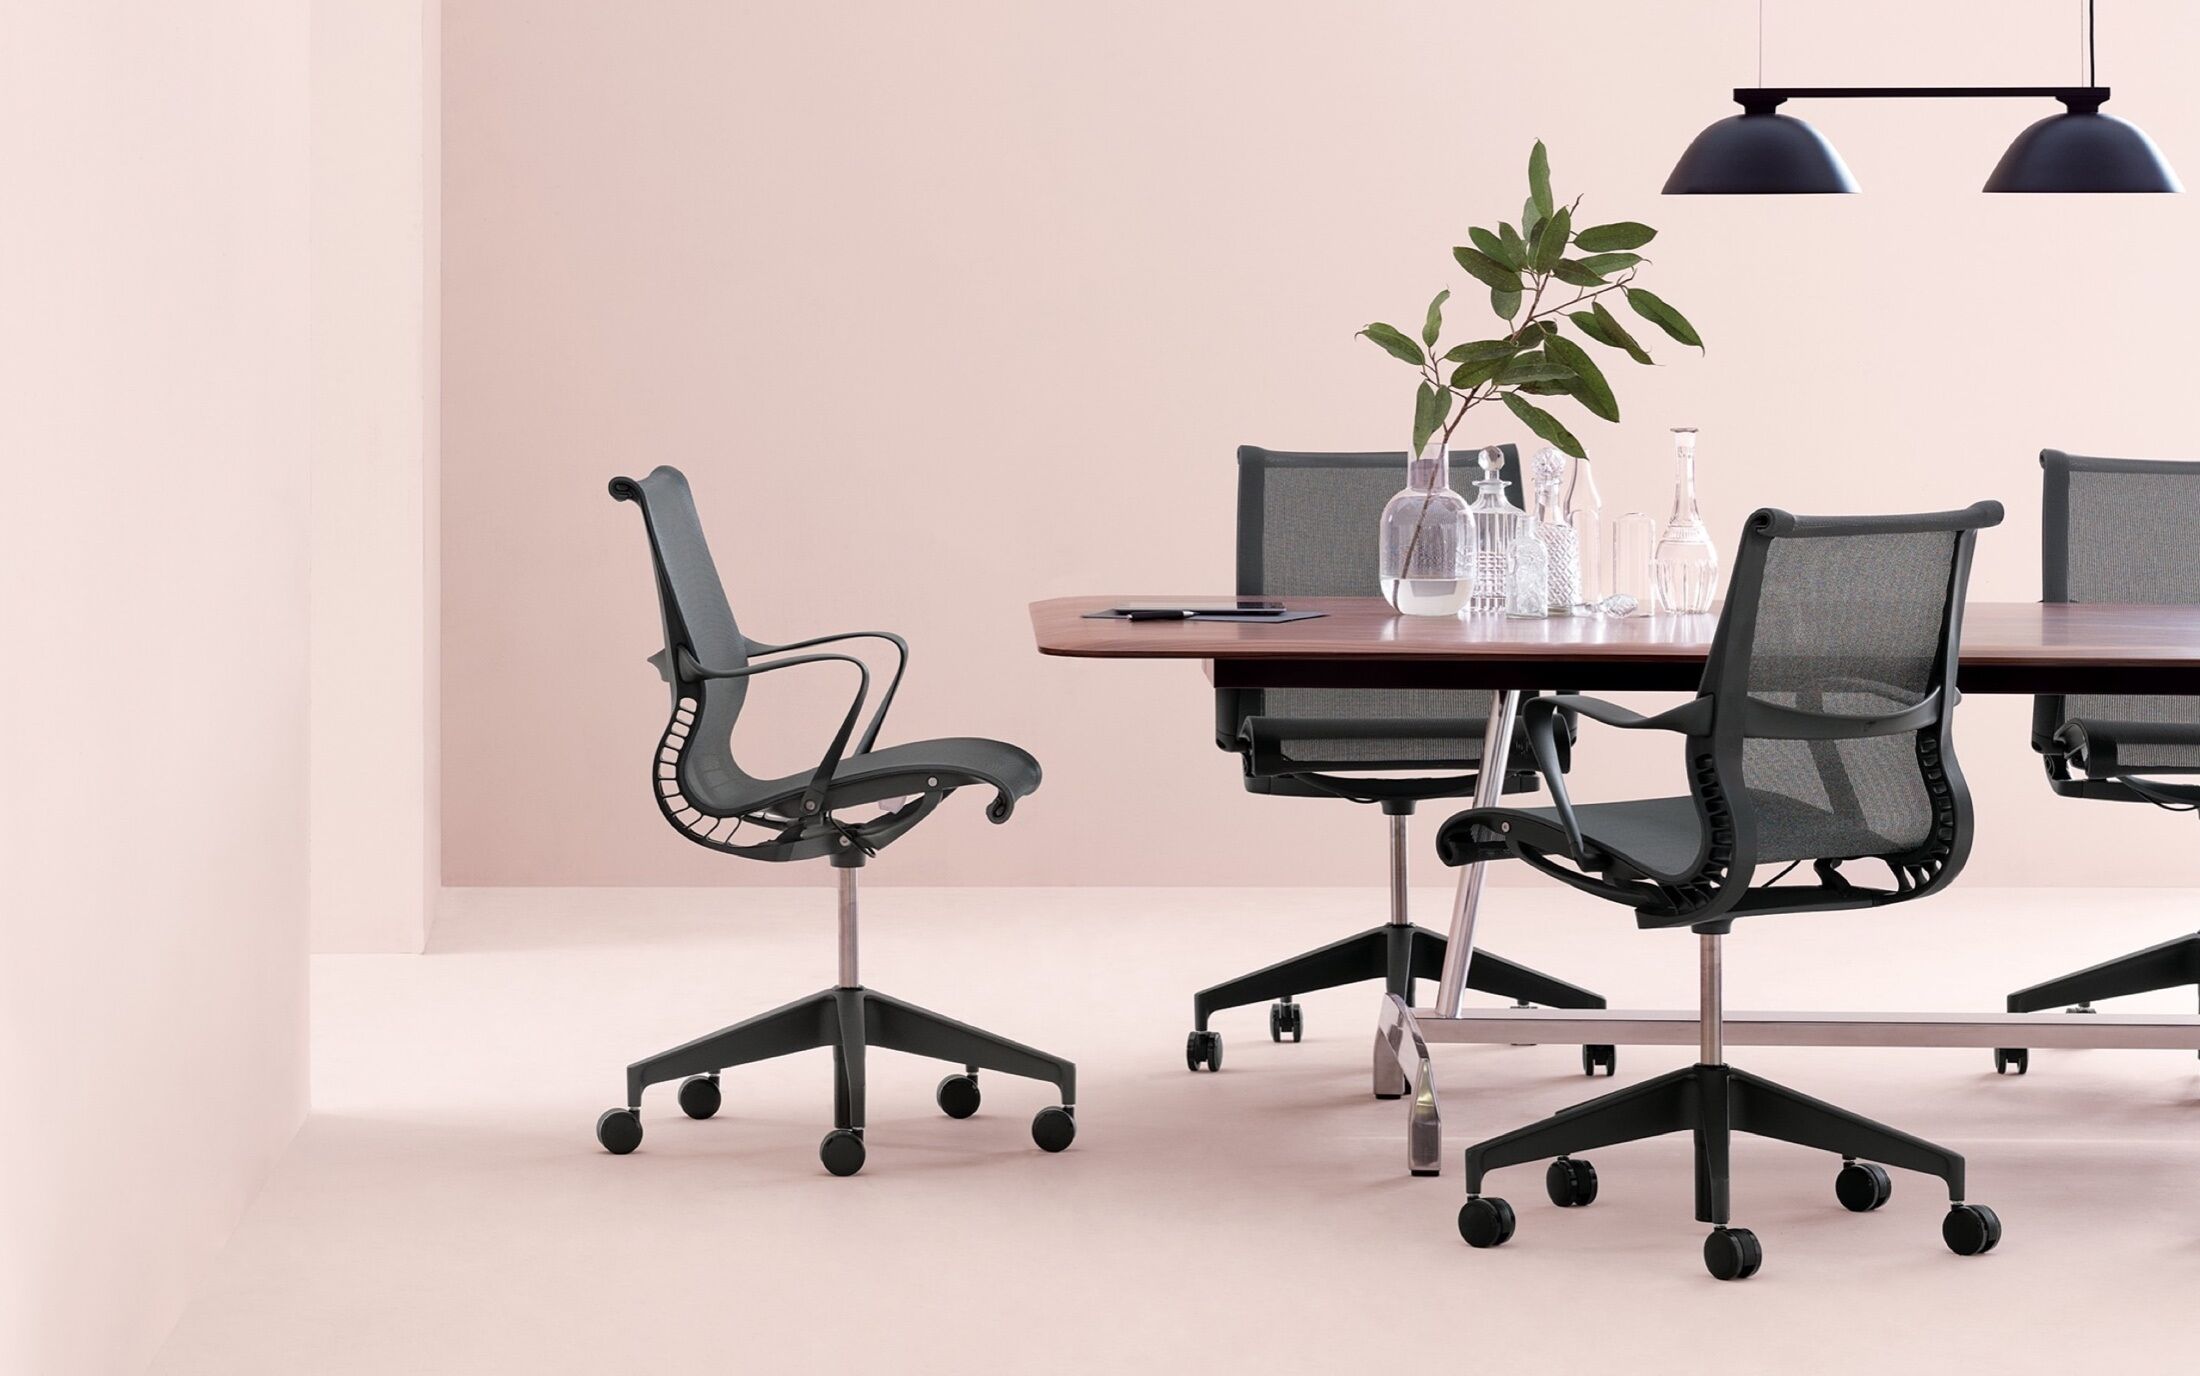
(1528, 582)
(1549, 518)
(1585, 515)
(1425, 553)
(1634, 582)
(1496, 524)
(1687, 561)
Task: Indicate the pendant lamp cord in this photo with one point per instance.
(2092, 50)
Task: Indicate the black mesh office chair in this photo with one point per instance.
(712, 801)
(1306, 528)
(2117, 530)
(1820, 734)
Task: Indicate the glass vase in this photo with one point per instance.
(1687, 561)
(1584, 507)
(1496, 524)
(1425, 559)
(1548, 516)
(1634, 581)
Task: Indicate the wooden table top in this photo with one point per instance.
(2008, 647)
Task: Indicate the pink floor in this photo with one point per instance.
(445, 1209)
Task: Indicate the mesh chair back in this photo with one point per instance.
(1856, 617)
(1307, 527)
(699, 621)
(2120, 530)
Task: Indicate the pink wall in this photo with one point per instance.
(949, 307)
(153, 258)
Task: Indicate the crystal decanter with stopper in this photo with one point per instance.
(1528, 579)
(1496, 524)
(1425, 558)
(1687, 562)
(1549, 519)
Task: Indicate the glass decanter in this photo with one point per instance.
(1549, 467)
(1585, 517)
(1425, 559)
(1496, 524)
(1528, 580)
(1687, 562)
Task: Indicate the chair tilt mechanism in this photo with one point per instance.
(713, 802)
(1303, 525)
(1820, 734)
(2117, 530)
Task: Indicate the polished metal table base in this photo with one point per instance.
(1407, 1032)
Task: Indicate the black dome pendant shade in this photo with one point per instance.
(2083, 150)
(1759, 153)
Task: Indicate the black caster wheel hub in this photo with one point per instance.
(699, 1096)
(958, 1095)
(1862, 1187)
(2012, 1058)
(1571, 1184)
(1054, 1127)
(1732, 1253)
(619, 1130)
(1970, 1229)
(1595, 1058)
(1203, 1051)
(842, 1151)
(1286, 1017)
(1486, 1221)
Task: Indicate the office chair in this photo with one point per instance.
(2117, 530)
(1306, 528)
(712, 801)
(1820, 734)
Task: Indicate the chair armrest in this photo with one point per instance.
(901, 666)
(1541, 716)
(2093, 745)
(813, 796)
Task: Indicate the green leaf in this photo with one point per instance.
(1482, 349)
(1539, 180)
(1530, 217)
(1488, 270)
(1600, 325)
(1663, 316)
(1550, 240)
(1430, 406)
(1621, 234)
(1592, 390)
(1550, 389)
(1513, 255)
(1434, 325)
(1505, 303)
(1605, 264)
(1395, 343)
(1516, 248)
(1532, 369)
(1544, 424)
(1468, 376)
(1576, 272)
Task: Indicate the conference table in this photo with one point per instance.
(1359, 642)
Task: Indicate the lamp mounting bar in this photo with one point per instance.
(1763, 99)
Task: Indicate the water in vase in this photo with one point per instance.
(1427, 596)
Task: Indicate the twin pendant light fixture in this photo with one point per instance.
(1761, 152)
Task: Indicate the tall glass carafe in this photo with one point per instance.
(1425, 557)
(1549, 518)
(1496, 524)
(1687, 562)
(1585, 515)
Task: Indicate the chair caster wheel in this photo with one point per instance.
(1970, 1229)
(1486, 1222)
(619, 1131)
(1203, 1051)
(1595, 1057)
(699, 1096)
(1732, 1253)
(842, 1151)
(958, 1095)
(1286, 1017)
(1571, 1184)
(2082, 1008)
(1054, 1128)
(1862, 1187)
(2008, 1058)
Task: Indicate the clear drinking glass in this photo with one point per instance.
(1633, 537)
(1585, 515)
(1497, 523)
(1687, 561)
(1425, 558)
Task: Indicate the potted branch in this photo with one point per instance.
(1427, 546)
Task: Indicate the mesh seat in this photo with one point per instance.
(1820, 734)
